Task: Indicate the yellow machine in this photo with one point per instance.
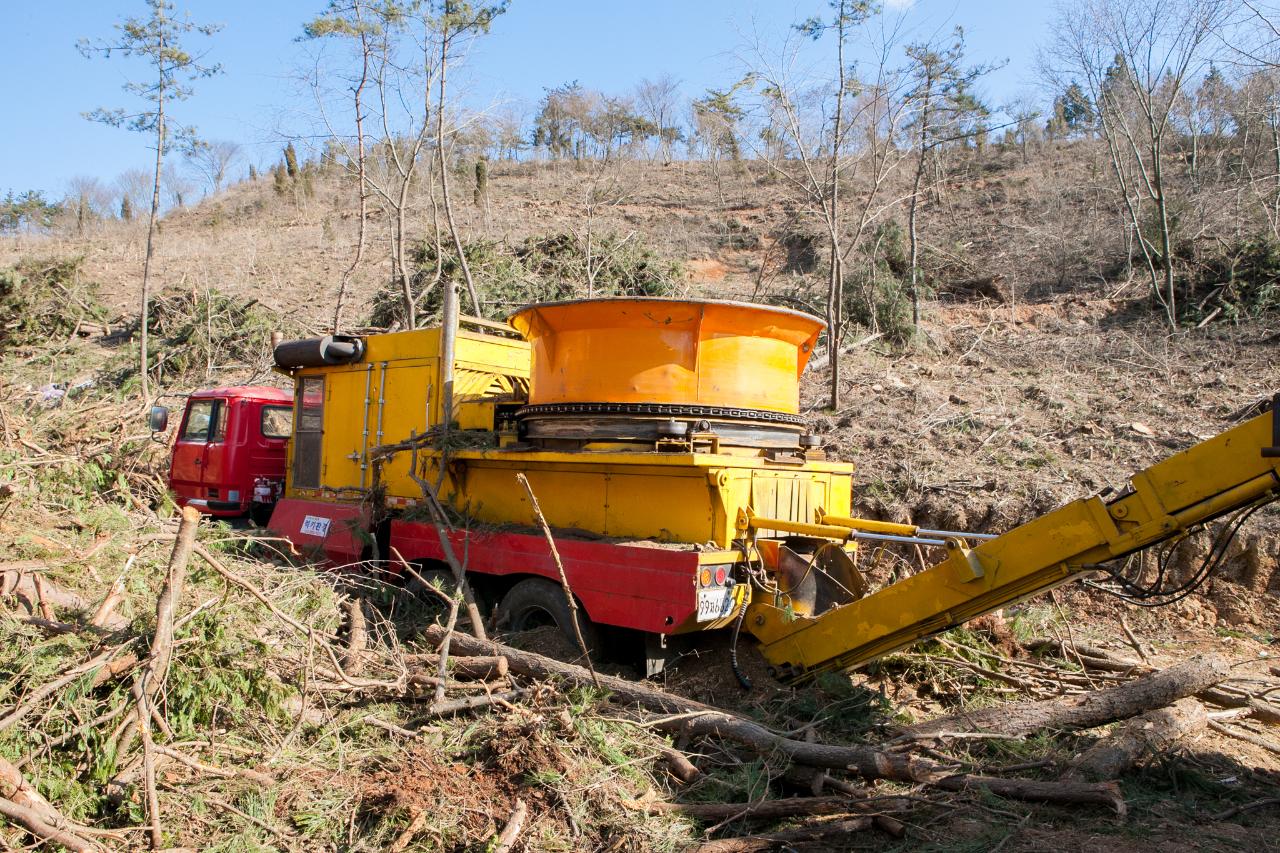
(664, 443)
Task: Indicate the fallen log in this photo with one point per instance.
(1263, 711)
(762, 810)
(1143, 736)
(45, 831)
(15, 788)
(1090, 657)
(1087, 710)
(812, 834)
(699, 720)
(1240, 734)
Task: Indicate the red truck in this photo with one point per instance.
(229, 454)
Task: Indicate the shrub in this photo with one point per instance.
(540, 269)
(43, 299)
(1241, 281)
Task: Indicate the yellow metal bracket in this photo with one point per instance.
(966, 563)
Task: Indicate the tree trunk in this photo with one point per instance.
(835, 832)
(145, 388)
(1150, 734)
(360, 176)
(835, 300)
(699, 720)
(444, 177)
(1087, 710)
(1166, 243)
(912, 233)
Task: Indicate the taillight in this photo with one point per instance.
(721, 576)
(705, 577)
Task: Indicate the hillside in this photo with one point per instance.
(1054, 386)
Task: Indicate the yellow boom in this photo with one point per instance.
(1236, 470)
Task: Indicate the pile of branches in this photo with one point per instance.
(173, 682)
(196, 335)
(46, 299)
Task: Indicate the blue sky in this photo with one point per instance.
(258, 102)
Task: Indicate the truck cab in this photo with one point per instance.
(229, 454)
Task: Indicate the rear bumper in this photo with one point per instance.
(216, 508)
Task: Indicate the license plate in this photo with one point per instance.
(315, 525)
(715, 603)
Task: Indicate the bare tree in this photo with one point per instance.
(509, 136)
(355, 22)
(87, 202)
(458, 21)
(819, 137)
(177, 186)
(658, 100)
(1137, 57)
(157, 39)
(132, 187)
(213, 160)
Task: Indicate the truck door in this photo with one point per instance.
(218, 451)
(187, 468)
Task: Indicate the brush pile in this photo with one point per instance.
(46, 299)
(166, 682)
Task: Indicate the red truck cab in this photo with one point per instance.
(229, 453)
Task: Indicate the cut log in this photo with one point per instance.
(506, 840)
(1139, 738)
(353, 658)
(15, 787)
(1089, 709)
(680, 765)
(45, 831)
(464, 669)
(1223, 698)
(785, 839)
(699, 720)
(1263, 711)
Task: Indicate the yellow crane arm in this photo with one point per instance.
(1232, 471)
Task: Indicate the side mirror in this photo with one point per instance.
(158, 419)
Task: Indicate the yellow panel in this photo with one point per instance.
(689, 498)
(343, 441)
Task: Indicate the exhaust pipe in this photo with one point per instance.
(319, 352)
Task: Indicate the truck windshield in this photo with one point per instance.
(277, 421)
(199, 418)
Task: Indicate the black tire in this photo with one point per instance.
(535, 602)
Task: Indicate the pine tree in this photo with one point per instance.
(291, 160)
(126, 209)
(157, 40)
(1077, 109)
(253, 173)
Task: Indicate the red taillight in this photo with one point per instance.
(721, 576)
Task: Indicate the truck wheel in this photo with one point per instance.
(535, 602)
